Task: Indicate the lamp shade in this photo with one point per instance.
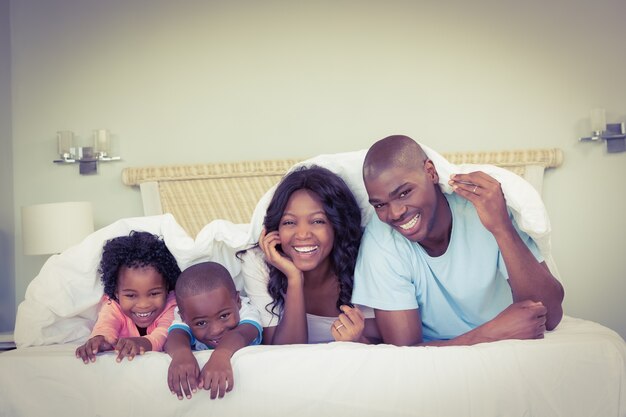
(52, 228)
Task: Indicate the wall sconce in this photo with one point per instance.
(52, 228)
(88, 156)
(613, 133)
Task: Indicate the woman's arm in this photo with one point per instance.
(292, 325)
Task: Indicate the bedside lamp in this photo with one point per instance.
(52, 228)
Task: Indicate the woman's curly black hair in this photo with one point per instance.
(344, 215)
(137, 250)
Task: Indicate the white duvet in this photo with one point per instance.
(61, 302)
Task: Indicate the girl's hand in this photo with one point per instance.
(87, 352)
(268, 243)
(128, 347)
(349, 325)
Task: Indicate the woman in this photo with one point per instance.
(301, 275)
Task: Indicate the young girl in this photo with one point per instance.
(310, 243)
(139, 274)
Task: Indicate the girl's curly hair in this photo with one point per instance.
(344, 215)
(137, 250)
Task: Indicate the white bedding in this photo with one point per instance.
(577, 370)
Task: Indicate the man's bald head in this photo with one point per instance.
(397, 151)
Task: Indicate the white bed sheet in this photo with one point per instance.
(577, 370)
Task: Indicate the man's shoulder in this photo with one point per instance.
(380, 238)
(378, 229)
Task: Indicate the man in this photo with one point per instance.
(447, 269)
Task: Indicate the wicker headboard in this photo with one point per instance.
(197, 194)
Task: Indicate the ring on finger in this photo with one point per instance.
(339, 327)
(474, 190)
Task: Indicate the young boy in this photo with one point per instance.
(210, 315)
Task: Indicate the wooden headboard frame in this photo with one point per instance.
(196, 194)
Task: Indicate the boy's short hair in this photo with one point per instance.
(203, 277)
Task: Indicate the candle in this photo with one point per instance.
(65, 139)
(101, 142)
(598, 121)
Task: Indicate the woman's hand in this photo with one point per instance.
(349, 325)
(268, 243)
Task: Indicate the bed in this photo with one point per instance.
(208, 211)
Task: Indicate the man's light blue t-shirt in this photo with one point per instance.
(455, 292)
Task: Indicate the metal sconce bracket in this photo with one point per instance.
(87, 164)
(615, 136)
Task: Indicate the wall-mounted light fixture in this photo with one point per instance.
(87, 156)
(613, 133)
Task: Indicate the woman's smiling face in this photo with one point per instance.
(306, 234)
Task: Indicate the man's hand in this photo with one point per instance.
(522, 320)
(485, 193)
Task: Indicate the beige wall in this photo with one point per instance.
(198, 81)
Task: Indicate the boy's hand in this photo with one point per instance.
(182, 374)
(87, 352)
(217, 374)
(349, 325)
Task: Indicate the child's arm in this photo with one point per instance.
(104, 333)
(183, 372)
(217, 374)
(129, 347)
(87, 352)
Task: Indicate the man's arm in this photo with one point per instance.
(521, 320)
(529, 279)
(400, 328)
